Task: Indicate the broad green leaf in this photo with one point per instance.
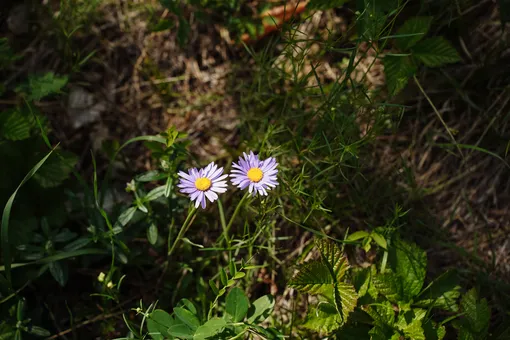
(433, 331)
(382, 314)
(187, 317)
(180, 331)
(380, 240)
(435, 52)
(378, 333)
(357, 235)
(56, 169)
(210, 329)
(412, 31)
(152, 234)
(389, 285)
(443, 293)
(261, 309)
(476, 313)
(15, 125)
(347, 296)
(313, 278)
(59, 272)
(333, 258)
(158, 323)
(410, 323)
(237, 304)
(414, 330)
(410, 264)
(398, 71)
(323, 320)
(40, 86)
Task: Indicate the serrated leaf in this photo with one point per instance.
(321, 321)
(152, 234)
(476, 313)
(313, 278)
(410, 264)
(412, 31)
(40, 86)
(333, 258)
(347, 296)
(261, 309)
(237, 304)
(433, 331)
(382, 314)
(414, 330)
(210, 329)
(389, 285)
(443, 293)
(435, 52)
(56, 169)
(186, 317)
(14, 125)
(398, 70)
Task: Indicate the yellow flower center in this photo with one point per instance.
(255, 175)
(203, 183)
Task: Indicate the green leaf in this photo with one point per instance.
(389, 285)
(41, 86)
(380, 240)
(433, 331)
(39, 331)
(188, 318)
(158, 324)
(180, 331)
(398, 71)
(442, 293)
(155, 193)
(412, 31)
(476, 314)
(14, 125)
(382, 314)
(152, 234)
(435, 52)
(313, 278)
(414, 330)
(223, 277)
(149, 176)
(237, 304)
(213, 286)
(261, 309)
(59, 272)
(56, 170)
(410, 264)
(126, 216)
(7, 213)
(323, 320)
(348, 298)
(357, 235)
(210, 329)
(188, 305)
(77, 244)
(333, 258)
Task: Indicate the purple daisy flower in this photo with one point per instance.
(254, 174)
(199, 184)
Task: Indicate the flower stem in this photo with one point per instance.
(187, 223)
(233, 217)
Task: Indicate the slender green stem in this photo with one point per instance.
(438, 115)
(234, 215)
(223, 221)
(184, 228)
